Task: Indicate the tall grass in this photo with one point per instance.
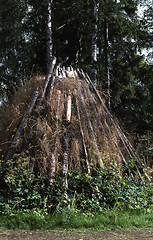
(108, 220)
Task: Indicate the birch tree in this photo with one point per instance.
(94, 41)
(49, 43)
(18, 62)
(106, 53)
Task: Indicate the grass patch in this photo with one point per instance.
(108, 220)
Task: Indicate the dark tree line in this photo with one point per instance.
(103, 37)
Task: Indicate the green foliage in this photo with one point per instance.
(135, 93)
(106, 189)
(20, 189)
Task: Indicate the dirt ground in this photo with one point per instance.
(142, 234)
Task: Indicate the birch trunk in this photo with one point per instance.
(48, 76)
(65, 160)
(48, 96)
(94, 107)
(78, 53)
(82, 134)
(106, 50)
(119, 132)
(66, 142)
(53, 159)
(18, 66)
(100, 162)
(94, 42)
(69, 105)
(50, 88)
(49, 35)
(47, 79)
(93, 104)
(20, 130)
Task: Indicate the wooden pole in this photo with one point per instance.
(65, 160)
(101, 164)
(82, 134)
(66, 141)
(20, 130)
(52, 163)
(48, 96)
(69, 106)
(116, 127)
(47, 79)
(48, 76)
(50, 88)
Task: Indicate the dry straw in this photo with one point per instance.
(89, 139)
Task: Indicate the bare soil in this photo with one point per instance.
(139, 234)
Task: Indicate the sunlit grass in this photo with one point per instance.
(107, 220)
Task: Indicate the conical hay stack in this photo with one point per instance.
(71, 128)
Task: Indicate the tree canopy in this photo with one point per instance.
(124, 75)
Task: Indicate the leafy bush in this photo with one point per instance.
(108, 189)
(20, 189)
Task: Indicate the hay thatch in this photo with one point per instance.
(84, 138)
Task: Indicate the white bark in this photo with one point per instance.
(52, 164)
(49, 34)
(78, 53)
(50, 89)
(46, 82)
(66, 143)
(48, 76)
(107, 62)
(65, 160)
(69, 106)
(82, 134)
(94, 41)
(70, 72)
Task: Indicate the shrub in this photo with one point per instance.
(108, 189)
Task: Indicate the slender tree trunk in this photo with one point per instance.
(66, 159)
(69, 106)
(78, 53)
(46, 82)
(52, 163)
(66, 142)
(49, 34)
(82, 134)
(94, 42)
(18, 66)
(106, 51)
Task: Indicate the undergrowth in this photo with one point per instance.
(110, 189)
(106, 220)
